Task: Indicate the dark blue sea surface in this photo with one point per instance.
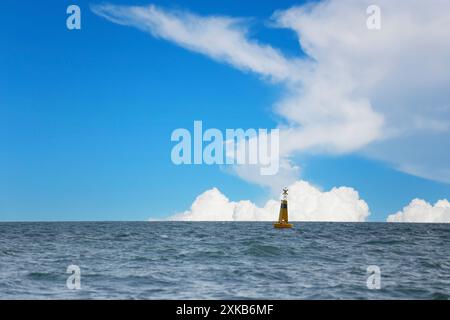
(224, 260)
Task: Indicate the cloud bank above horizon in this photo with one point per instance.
(420, 211)
(306, 203)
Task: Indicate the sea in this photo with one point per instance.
(223, 260)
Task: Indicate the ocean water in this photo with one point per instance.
(224, 260)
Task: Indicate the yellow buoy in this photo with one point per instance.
(283, 216)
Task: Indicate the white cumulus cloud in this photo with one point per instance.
(306, 203)
(421, 211)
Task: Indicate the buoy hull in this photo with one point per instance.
(283, 225)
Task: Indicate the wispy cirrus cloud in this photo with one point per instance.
(347, 125)
(357, 90)
(220, 38)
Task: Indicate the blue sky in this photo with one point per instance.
(86, 118)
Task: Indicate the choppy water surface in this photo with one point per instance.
(224, 260)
